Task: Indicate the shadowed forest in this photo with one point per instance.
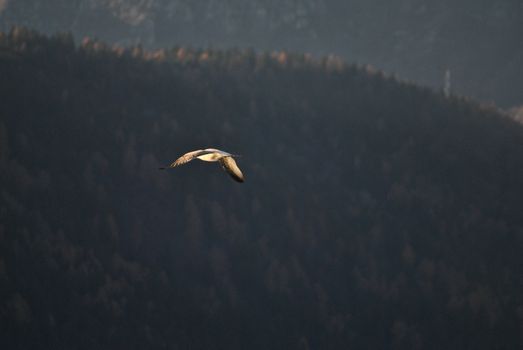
(375, 214)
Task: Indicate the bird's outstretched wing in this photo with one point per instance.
(187, 157)
(229, 165)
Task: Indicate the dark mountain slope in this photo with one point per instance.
(374, 214)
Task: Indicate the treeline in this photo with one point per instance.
(479, 42)
(375, 214)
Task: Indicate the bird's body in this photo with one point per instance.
(212, 155)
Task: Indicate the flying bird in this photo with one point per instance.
(211, 155)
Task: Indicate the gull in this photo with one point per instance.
(211, 155)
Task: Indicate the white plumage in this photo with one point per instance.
(212, 155)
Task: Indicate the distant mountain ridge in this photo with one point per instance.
(478, 41)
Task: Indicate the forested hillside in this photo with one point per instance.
(374, 215)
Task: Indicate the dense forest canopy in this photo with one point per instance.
(375, 213)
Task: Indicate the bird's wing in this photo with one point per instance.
(229, 165)
(213, 150)
(187, 157)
